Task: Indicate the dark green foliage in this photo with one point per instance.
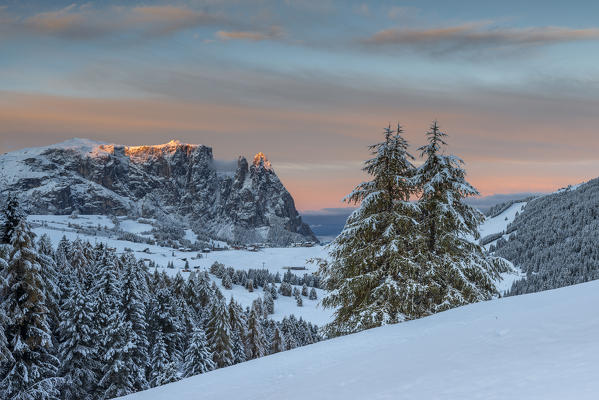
(12, 216)
(397, 259)
(219, 335)
(31, 370)
(373, 269)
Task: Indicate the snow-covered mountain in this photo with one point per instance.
(539, 346)
(174, 181)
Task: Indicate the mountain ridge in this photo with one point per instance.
(173, 180)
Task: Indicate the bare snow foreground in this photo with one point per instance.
(539, 346)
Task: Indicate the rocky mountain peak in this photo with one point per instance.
(260, 161)
(248, 204)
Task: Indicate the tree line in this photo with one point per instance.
(82, 322)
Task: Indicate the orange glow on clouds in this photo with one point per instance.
(317, 154)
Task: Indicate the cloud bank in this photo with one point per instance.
(476, 36)
(82, 22)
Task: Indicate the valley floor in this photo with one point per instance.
(539, 346)
(272, 258)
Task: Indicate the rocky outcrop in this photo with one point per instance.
(245, 204)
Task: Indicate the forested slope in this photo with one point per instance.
(554, 240)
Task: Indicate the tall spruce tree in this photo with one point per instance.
(32, 371)
(198, 357)
(238, 331)
(165, 321)
(163, 369)
(135, 297)
(219, 334)
(255, 336)
(12, 216)
(455, 269)
(78, 345)
(278, 341)
(51, 278)
(372, 268)
(82, 262)
(115, 345)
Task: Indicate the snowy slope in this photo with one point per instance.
(539, 346)
(496, 225)
(500, 222)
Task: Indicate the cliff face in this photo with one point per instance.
(246, 204)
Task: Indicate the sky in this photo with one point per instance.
(313, 83)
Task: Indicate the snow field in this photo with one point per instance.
(538, 346)
(500, 222)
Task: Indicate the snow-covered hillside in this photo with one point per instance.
(538, 346)
(494, 228)
(500, 222)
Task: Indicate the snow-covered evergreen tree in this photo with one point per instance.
(255, 336)
(268, 303)
(114, 332)
(219, 334)
(32, 371)
(298, 298)
(289, 330)
(238, 331)
(165, 321)
(278, 341)
(178, 284)
(227, 282)
(6, 358)
(135, 297)
(12, 216)
(199, 293)
(163, 369)
(63, 268)
(81, 262)
(78, 346)
(454, 270)
(51, 278)
(373, 273)
(198, 357)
